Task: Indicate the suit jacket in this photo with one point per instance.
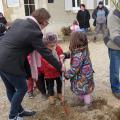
(21, 39)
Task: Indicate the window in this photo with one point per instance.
(76, 4)
(50, 1)
(29, 6)
(106, 2)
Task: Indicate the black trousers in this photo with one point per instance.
(50, 86)
(41, 84)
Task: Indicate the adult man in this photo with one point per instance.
(22, 38)
(112, 40)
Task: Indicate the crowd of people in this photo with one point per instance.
(39, 58)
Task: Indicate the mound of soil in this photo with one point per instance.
(99, 110)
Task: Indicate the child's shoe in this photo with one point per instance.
(86, 107)
(51, 100)
(59, 96)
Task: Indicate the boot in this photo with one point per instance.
(51, 100)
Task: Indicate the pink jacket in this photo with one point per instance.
(35, 62)
(74, 28)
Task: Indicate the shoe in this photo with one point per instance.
(27, 113)
(59, 96)
(86, 107)
(19, 118)
(117, 95)
(13, 119)
(31, 95)
(51, 100)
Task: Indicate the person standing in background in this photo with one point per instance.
(100, 19)
(83, 17)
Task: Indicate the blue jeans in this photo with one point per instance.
(114, 56)
(84, 29)
(16, 87)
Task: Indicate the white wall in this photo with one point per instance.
(1, 7)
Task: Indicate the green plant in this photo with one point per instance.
(66, 30)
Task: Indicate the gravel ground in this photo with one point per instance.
(105, 106)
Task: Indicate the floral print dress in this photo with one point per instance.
(81, 72)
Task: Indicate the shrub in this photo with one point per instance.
(66, 30)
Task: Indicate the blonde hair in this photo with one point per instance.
(78, 40)
(41, 15)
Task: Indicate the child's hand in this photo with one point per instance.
(66, 77)
(62, 57)
(63, 68)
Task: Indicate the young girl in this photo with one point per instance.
(37, 77)
(75, 27)
(50, 73)
(81, 71)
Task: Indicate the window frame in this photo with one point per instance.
(51, 2)
(105, 3)
(76, 8)
(29, 4)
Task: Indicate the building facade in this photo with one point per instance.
(63, 12)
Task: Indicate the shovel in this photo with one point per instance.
(63, 101)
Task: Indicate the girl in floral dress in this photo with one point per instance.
(81, 71)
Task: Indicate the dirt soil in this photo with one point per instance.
(104, 105)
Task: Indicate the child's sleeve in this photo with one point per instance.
(33, 65)
(59, 48)
(76, 64)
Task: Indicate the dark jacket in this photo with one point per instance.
(83, 18)
(3, 23)
(94, 14)
(21, 39)
(3, 19)
(27, 69)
